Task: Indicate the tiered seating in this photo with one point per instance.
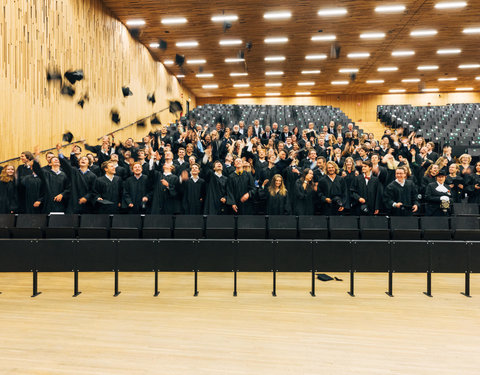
(456, 124)
(291, 115)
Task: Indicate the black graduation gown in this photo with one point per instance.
(22, 171)
(457, 193)
(82, 186)
(303, 199)
(395, 193)
(216, 190)
(267, 174)
(473, 194)
(193, 196)
(372, 193)
(109, 191)
(34, 192)
(8, 197)
(164, 199)
(134, 189)
(348, 182)
(432, 198)
(237, 186)
(336, 190)
(55, 184)
(276, 204)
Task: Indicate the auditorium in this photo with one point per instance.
(277, 187)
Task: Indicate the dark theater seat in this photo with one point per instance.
(7, 221)
(344, 227)
(189, 226)
(94, 226)
(435, 228)
(126, 226)
(374, 228)
(251, 227)
(465, 228)
(405, 228)
(29, 226)
(62, 226)
(157, 226)
(313, 227)
(220, 227)
(282, 227)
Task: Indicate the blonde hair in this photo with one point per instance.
(334, 165)
(3, 174)
(271, 186)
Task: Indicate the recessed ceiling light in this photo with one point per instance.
(430, 90)
(276, 40)
(376, 81)
(168, 62)
(469, 66)
(317, 71)
(238, 74)
(358, 55)
(204, 75)
(273, 84)
(273, 73)
(196, 61)
(348, 70)
(230, 42)
(181, 76)
(224, 18)
(275, 58)
(234, 60)
(464, 89)
(244, 94)
(390, 8)
(449, 51)
(320, 56)
(277, 15)
(323, 38)
(187, 44)
(174, 21)
(339, 82)
(210, 86)
(136, 22)
(451, 5)
(387, 69)
(477, 78)
(372, 35)
(332, 12)
(272, 94)
(424, 33)
(403, 53)
(428, 67)
(154, 45)
(447, 79)
(241, 85)
(306, 83)
(410, 80)
(396, 90)
(303, 93)
(471, 30)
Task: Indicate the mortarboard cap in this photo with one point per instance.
(140, 124)
(115, 116)
(74, 76)
(126, 91)
(175, 106)
(81, 102)
(324, 277)
(67, 137)
(67, 90)
(155, 121)
(151, 98)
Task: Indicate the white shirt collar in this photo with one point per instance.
(401, 184)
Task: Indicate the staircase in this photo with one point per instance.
(377, 128)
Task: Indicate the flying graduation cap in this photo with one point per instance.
(141, 124)
(54, 75)
(175, 106)
(151, 98)
(115, 116)
(67, 137)
(126, 91)
(67, 90)
(154, 120)
(74, 76)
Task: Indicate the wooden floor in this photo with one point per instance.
(254, 333)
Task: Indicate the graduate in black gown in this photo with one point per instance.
(438, 197)
(367, 192)
(275, 193)
(194, 190)
(136, 191)
(240, 190)
(455, 183)
(8, 191)
(57, 186)
(332, 190)
(473, 185)
(305, 188)
(82, 180)
(23, 170)
(165, 190)
(108, 190)
(401, 196)
(216, 196)
(34, 193)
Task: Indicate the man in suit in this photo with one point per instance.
(257, 129)
(286, 133)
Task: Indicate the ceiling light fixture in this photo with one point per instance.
(303, 93)
(234, 60)
(358, 55)
(225, 18)
(320, 56)
(238, 74)
(204, 75)
(469, 66)
(241, 85)
(348, 70)
(135, 22)
(277, 15)
(210, 86)
(411, 80)
(447, 79)
(272, 94)
(311, 71)
(428, 67)
(471, 30)
(396, 90)
(323, 38)
(372, 35)
(273, 73)
(451, 5)
(167, 62)
(245, 94)
(196, 61)
(174, 21)
(306, 83)
(430, 90)
(230, 42)
(424, 33)
(449, 51)
(275, 58)
(276, 40)
(339, 82)
(332, 12)
(403, 53)
(390, 8)
(464, 89)
(387, 69)
(187, 44)
(273, 84)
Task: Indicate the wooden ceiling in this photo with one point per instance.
(305, 23)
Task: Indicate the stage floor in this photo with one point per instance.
(254, 333)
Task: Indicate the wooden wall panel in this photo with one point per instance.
(357, 107)
(73, 34)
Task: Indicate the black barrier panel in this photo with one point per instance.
(177, 255)
(255, 256)
(332, 256)
(96, 255)
(475, 257)
(293, 256)
(137, 255)
(55, 255)
(410, 256)
(371, 256)
(16, 255)
(217, 256)
(449, 256)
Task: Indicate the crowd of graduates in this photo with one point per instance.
(193, 169)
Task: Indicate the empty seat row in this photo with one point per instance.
(241, 227)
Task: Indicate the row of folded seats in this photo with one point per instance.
(240, 227)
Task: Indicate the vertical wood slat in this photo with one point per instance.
(36, 35)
